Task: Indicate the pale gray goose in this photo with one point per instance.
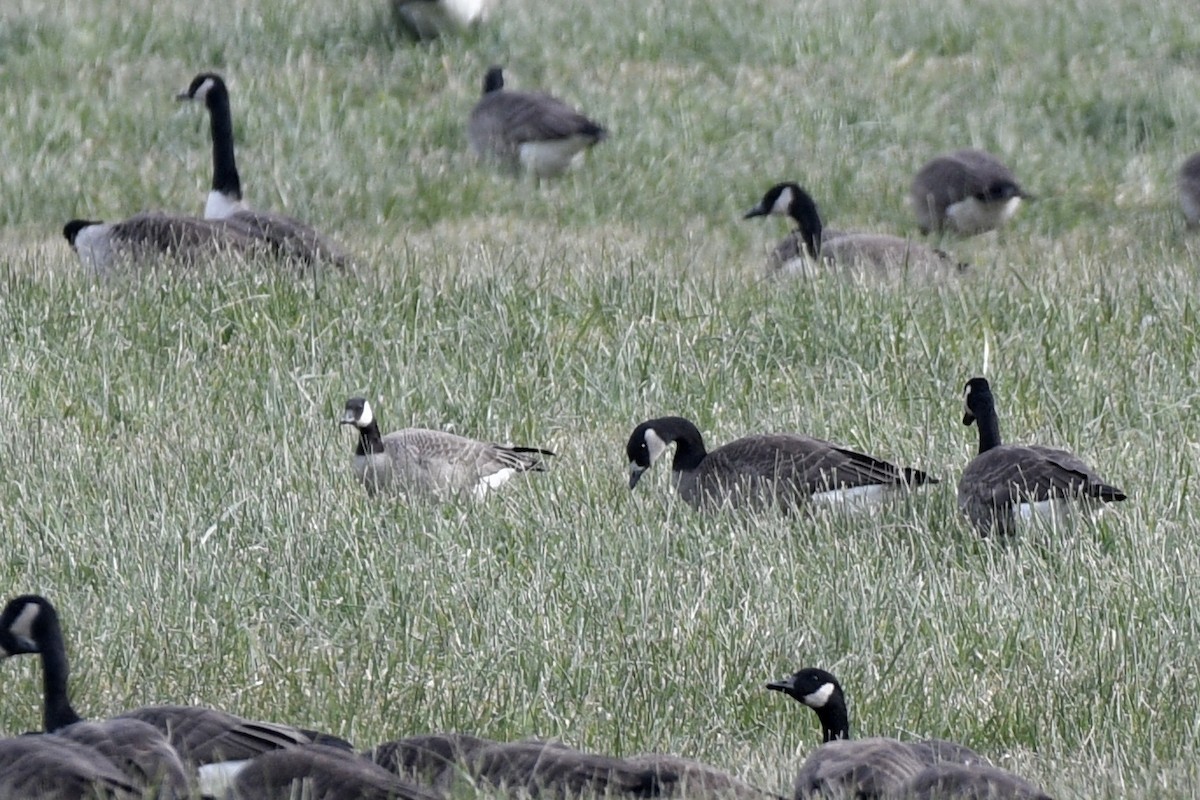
(50, 767)
(418, 460)
(528, 130)
(811, 243)
(287, 237)
(772, 469)
(430, 759)
(966, 192)
(317, 772)
(102, 246)
(29, 624)
(1189, 190)
(1006, 483)
(551, 769)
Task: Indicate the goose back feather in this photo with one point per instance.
(1189, 190)
(430, 759)
(319, 772)
(550, 769)
(965, 192)
(49, 767)
(101, 246)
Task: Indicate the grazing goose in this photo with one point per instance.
(420, 460)
(784, 469)
(551, 769)
(29, 624)
(529, 130)
(143, 237)
(430, 19)
(1007, 482)
(811, 242)
(430, 759)
(867, 768)
(1189, 190)
(288, 238)
(966, 192)
(56, 768)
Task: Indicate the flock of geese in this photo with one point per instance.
(174, 752)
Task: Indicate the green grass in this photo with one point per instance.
(175, 481)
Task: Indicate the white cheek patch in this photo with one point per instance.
(783, 202)
(203, 89)
(22, 626)
(820, 697)
(654, 444)
(366, 417)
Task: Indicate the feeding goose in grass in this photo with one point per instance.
(288, 238)
(783, 469)
(142, 238)
(418, 460)
(966, 192)
(1005, 483)
(532, 131)
(812, 243)
(1189, 190)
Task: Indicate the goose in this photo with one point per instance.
(1189, 190)
(52, 767)
(430, 19)
(1004, 483)
(29, 624)
(528, 130)
(288, 238)
(947, 781)
(965, 192)
(429, 759)
(695, 779)
(785, 469)
(551, 769)
(812, 243)
(436, 462)
(878, 766)
(142, 237)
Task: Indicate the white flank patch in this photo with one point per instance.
(547, 159)
(216, 780)
(95, 247)
(654, 444)
(1051, 510)
(493, 481)
(852, 497)
(820, 697)
(783, 203)
(220, 206)
(22, 626)
(970, 216)
(366, 417)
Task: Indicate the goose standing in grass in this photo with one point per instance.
(1189, 190)
(811, 243)
(431, 19)
(1005, 483)
(783, 469)
(528, 130)
(426, 461)
(966, 192)
(101, 246)
(288, 238)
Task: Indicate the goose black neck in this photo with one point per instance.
(803, 210)
(835, 720)
(689, 444)
(369, 440)
(57, 712)
(225, 174)
(988, 422)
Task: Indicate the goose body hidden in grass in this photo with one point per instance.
(966, 192)
(812, 245)
(1009, 483)
(782, 469)
(155, 237)
(422, 461)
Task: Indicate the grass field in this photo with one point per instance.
(175, 481)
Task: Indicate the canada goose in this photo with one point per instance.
(1007, 482)
(966, 192)
(430, 759)
(946, 781)
(317, 772)
(102, 245)
(695, 780)
(529, 130)
(29, 624)
(1189, 190)
(550, 769)
(811, 242)
(288, 238)
(420, 460)
(52, 767)
(785, 469)
(429, 19)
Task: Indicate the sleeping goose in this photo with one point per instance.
(528, 130)
(288, 238)
(811, 243)
(154, 235)
(29, 624)
(1005, 483)
(1189, 190)
(966, 192)
(784, 469)
(425, 461)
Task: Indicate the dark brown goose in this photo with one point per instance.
(528, 130)
(50, 767)
(966, 192)
(147, 237)
(774, 469)
(1189, 190)
(1005, 484)
(550, 769)
(431, 759)
(418, 460)
(698, 781)
(288, 238)
(811, 243)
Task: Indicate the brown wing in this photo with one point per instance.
(51, 767)
(206, 735)
(503, 120)
(1012, 474)
(976, 782)
(550, 769)
(317, 772)
(693, 779)
(288, 238)
(431, 759)
(861, 768)
(138, 749)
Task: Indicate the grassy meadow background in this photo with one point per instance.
(175, 482)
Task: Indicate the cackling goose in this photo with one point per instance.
(288, 238)
(102, 245)
(966, 192)
(782, 469)
(528, 130)
(1189, 190)
(811, 242)
(1007, 482)
(420, 460)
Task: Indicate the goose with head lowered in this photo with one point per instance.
(418, 460)
(1007, 483)
(148, 237)
(532, 131)
(288, 238)
(881, 767)
(812, 244)
(966, 192)
(783, 469)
